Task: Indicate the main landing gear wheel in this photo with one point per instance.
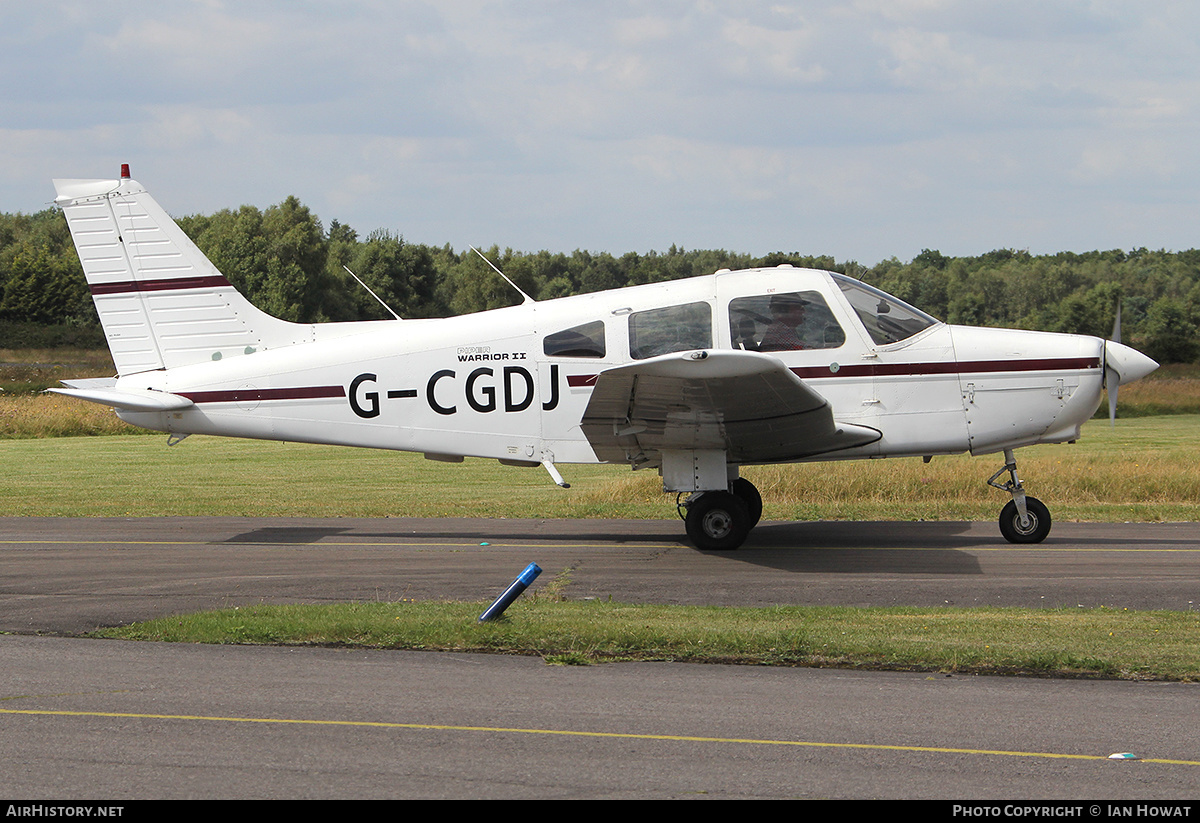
(1036, 526)
(717, 521)
(745, 491)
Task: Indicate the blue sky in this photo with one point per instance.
(863, 130)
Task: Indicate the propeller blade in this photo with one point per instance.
(1112, 382)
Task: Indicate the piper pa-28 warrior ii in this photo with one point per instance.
(695, 378)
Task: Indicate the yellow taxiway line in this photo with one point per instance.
(574, 733)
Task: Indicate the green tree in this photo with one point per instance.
(295, 284)
(1170, 334)
(43, 287)
(402, 274)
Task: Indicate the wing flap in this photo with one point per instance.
(746, 403)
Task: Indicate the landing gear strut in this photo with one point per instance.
(1023, 519)
(720, 520)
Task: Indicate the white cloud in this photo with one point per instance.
(863, 129)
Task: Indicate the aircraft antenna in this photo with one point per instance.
(373, 294)
(527, 299)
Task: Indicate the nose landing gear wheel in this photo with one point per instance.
(1034, 530)
(717, 521)
(1037, 525)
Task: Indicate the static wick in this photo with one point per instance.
(511, 593)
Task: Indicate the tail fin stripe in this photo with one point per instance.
(168, 284)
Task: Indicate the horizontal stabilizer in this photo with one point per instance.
(91, 383)
(142, 400)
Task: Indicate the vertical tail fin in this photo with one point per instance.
(161, 302)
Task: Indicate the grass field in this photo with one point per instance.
(1142, 470)
(27, 413)
(1076, 643)
(1171, 389)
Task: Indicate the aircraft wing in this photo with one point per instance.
(747, 403)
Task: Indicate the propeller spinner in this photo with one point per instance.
(1122, 365)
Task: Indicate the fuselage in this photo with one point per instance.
(513, 383)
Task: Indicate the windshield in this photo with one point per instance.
(887, 319)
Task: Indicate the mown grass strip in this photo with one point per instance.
(1101, 643)
(1142, 470)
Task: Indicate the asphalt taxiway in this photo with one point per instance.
(108, 719)
(71, 575)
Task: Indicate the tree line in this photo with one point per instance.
(287, 263)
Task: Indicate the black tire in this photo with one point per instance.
(1035, 531)
(717, 521)
(745, 491)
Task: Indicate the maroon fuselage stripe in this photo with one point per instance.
(968, 367)
(168, 284)
(244, 395)
(915, 369)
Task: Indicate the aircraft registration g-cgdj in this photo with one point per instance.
(694, 378)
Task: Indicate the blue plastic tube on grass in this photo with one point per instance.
(511, 593)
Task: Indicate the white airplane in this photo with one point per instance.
(695, 378)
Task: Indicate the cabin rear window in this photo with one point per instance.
(675, 328)
(580, 341)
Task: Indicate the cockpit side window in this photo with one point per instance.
(887, 319)
(580, 341)
(675, 328)
(790, 321)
